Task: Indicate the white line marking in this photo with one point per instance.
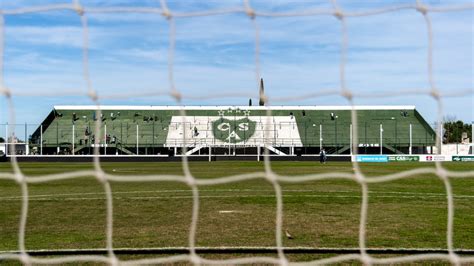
(222, 190)
(230, 211)
(245, 196)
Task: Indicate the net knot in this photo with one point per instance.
(175, 94)
(435, 94)
(347, 94)
(25, 259)
(442, 173)
(338, 14)
(93, 95)
(113, 260)
(283, 261)
(250, 12)
(422, 9)
(19, 177)
(167, 14)
(191, 181)
(365, 259)
(195, 259)
(454, 259)
(79, 9)
(270, 176)
(100, 175)
(5, 91)
(359, 177)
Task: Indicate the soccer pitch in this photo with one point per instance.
(71, 214)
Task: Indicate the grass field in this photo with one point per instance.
(408, 213)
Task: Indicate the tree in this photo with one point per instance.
(2, 140)
(453, 130)
(261, 102)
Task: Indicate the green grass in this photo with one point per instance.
(408, 213)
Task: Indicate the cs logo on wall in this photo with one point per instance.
(233, 131)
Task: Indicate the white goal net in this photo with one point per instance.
(162, 10)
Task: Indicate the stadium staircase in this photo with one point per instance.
(393, 149)
(343, 149)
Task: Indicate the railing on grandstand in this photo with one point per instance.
(128, 138)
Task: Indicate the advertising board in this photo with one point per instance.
(435, 158)
(463, 158)
(403, 158)
(371, 158)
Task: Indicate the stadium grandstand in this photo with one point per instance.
(231, 130)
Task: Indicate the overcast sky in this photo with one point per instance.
(215, 55)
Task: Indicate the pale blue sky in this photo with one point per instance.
(215, 55)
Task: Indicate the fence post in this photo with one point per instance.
(105, 139)
(440, 137)
(258, 152)
(411, 141)
(137, 141)
(350, 138)
(73, 137)
(381, 138)
(209, 153)
(41, 139)
(320, 137)
(27, 144)
(6, 138)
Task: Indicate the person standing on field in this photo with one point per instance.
(322, 156)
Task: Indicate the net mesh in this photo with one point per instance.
(275, 179)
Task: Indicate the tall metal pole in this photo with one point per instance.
(89, 136)
(396, 134)
(105, 139)
(258, 152)
(381, 137)
(41, 139)
(26, 141)
(440, 137)
(137, 141)
(335, 127)
(6, 138)
(73, 137)
(320, 137)
(57, 138)
(350, 138)
(411, 140)
(366, 142)
(153, 138)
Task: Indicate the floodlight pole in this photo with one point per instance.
(258, 152)
(27, 147)
(381, 138)
(350, 138)
(209, 153)
(320, 137)
(73, 137)
(6, 138)
(137, 141)
(41, 139)
(105, 139)
(411, 140)
(440, 137)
